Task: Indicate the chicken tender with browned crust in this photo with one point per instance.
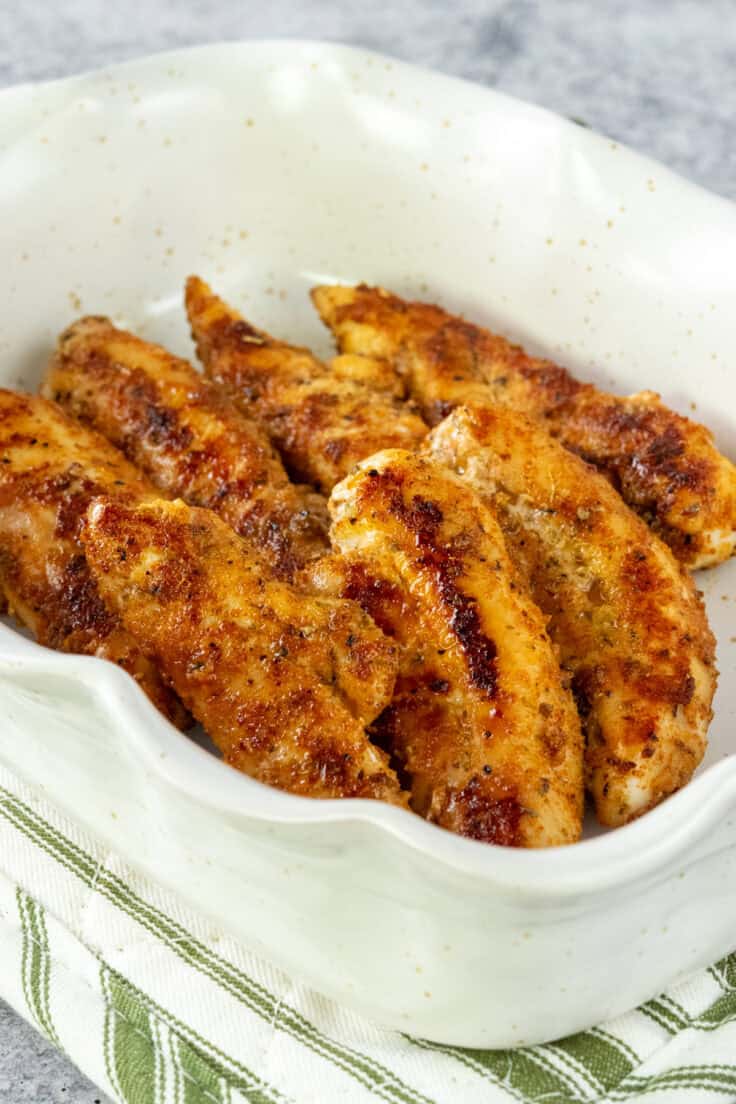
(284, 683)
(182, 431)
(50, 469)
(666, 467)
(626, 617)
(480, 721)
(323, 419)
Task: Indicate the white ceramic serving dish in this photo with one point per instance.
(268, 167)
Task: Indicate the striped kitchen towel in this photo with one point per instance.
(156, 1005)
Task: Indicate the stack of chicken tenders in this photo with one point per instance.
(434, 571)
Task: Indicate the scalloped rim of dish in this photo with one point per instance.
(615, 858)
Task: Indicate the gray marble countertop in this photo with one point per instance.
(659, 77)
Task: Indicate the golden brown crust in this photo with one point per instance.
(480, 721)
(182, 431)
(283, 682)
(322, 419)
(50, 469)
(665, 466)
(626, 617)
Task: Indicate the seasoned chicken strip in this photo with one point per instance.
(182, 431)
(666, 467)
(323, 419)
(626, 617)
(50, 469)
(480, 720)
(279, 679)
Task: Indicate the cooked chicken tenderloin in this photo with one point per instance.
(480, 721)
(182, 431)
(50, 469)
(626, 617)
(666, 467)
(322, 418)
(284, 683)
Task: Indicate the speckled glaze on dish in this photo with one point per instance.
(266, 168)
